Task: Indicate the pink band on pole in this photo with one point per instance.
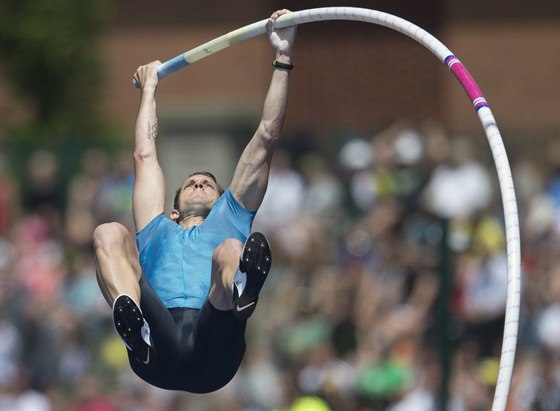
(466, 80)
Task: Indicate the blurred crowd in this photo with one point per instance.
(388, 289)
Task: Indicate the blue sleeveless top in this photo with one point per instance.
(177, 262)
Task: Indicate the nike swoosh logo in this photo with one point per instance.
(239, 309)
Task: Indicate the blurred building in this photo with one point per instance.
(348, 74)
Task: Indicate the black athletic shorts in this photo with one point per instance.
(192, 350)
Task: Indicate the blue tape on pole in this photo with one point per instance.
(171, 66)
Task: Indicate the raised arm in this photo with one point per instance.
(250, 179)
(148, 198)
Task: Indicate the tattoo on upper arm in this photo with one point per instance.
(152, 131)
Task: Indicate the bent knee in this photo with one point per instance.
(228, 251)
(108, 236)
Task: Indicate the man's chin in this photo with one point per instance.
(197, 210)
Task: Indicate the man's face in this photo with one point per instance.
(198, 194)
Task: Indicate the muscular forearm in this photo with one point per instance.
(146, 129)
(274, 109)
(149, 188)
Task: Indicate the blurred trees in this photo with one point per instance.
(50, 60)
(48, 50)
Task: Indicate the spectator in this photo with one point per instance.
(82, 191)
(20, 396)
(45, 191)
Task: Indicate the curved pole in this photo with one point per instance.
(486, 118)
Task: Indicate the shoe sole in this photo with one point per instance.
(129, 321)
(255, 262)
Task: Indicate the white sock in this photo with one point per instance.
(239, 281)
(145, 332)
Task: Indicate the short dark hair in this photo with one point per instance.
(204, 173)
